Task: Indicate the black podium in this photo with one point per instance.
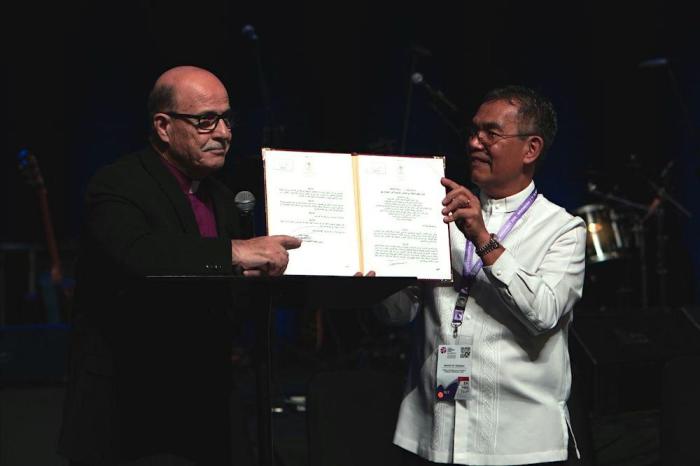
(268, 292)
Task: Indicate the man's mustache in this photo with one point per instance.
(214, 145)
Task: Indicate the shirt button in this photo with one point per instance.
(498, 273)
(468, 316)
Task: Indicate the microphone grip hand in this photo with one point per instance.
(247, 225)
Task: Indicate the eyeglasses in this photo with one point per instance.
(205, 122)
(489, 137)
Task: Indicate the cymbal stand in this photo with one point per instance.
(657, 208)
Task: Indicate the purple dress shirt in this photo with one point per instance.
(202, 205)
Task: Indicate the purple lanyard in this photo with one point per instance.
(470, 271)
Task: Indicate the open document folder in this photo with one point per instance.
(357, 212)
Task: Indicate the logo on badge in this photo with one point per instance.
(443, 349)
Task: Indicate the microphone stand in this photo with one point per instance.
(433, 95)
(661, 197)
(271, 132)
(416, 51)
(676, 89)
(409, 99)
(446, 120)
(660, 191)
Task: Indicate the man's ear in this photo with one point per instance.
(533, 150)
(161, 125)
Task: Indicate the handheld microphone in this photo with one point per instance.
(245, 203)
(435, 94)
(248, 31)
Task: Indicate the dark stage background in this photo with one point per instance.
(625, 79)
(76, 79)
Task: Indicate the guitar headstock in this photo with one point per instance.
(29, 167)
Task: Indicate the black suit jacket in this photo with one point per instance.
(150, 362)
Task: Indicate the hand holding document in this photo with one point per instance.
(357, 212)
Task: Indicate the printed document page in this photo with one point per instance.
(311, 196)
(403, 234)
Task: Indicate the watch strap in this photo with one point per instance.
(492, 245)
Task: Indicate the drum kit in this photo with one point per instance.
(607, 235)
(616, 248)
(615, 244)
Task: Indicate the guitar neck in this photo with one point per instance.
(51, 245)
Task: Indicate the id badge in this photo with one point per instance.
(454, 370)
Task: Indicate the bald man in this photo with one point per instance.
(150, 362)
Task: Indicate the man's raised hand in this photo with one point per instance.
(263, 255)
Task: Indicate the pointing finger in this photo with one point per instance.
(288, 242)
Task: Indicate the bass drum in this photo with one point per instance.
(607, 237)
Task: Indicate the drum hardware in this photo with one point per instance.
(615, 247)
(657, 208)
(605, 240)
(604, 233)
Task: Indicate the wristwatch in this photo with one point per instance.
(493, 244)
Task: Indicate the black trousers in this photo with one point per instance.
(158, 460)
(411, 459)
(415, 460)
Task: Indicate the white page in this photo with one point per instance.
(403, 234)
(311, 196)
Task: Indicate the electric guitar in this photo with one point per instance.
(54, 279)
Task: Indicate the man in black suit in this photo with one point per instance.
(150, 361)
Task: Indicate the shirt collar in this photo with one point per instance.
(187, 185)
(506, 204)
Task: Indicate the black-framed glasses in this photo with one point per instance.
(489, 137)
(205, 122)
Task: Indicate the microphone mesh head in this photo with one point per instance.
(245, 201)
(417, 78)
(248, 32)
